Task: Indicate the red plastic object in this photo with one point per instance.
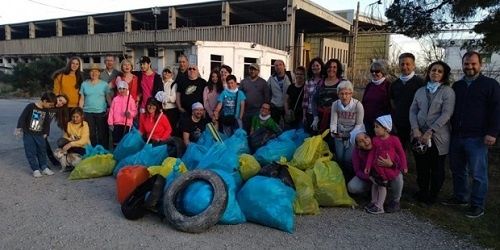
(128, 179)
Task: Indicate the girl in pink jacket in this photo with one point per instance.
(121, 113)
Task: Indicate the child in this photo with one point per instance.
(232, 103)
(77, 134)
(384, 146)
(121, 113)
(263, 128)
(34, 123)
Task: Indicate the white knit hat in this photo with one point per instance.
(385, 121)
(355, 132)
(122, 84)
(196, 105)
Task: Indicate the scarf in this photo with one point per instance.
(433, 86)
(378, 82)
(407, 78)
(232, 90)
(264, 118)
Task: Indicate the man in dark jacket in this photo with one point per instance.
(475, 126)
(402, 93)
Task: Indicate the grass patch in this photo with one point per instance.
(484, 230)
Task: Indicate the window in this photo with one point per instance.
(86, 59)
(215, 62)
(246, 64)
(96, 59)
(1, 60)
(152, 52)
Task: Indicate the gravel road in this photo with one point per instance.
(56, 213)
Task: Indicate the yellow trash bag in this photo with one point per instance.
(93, 166)
(304, 203)
(249, 166)
(312, 148)
(166, 167)
(329, 184)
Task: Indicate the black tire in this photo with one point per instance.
(134, 207)
(206, 219)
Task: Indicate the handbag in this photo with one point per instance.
(290, 117)
(230, 120)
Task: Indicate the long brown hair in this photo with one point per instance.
(67, 69)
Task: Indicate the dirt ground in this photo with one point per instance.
(56, 213)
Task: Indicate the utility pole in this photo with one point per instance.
(354, 44)
(156, 12)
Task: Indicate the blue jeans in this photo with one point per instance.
(35, 150)
(469, 153)
(343, 155)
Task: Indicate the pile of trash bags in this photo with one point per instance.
(218, 181)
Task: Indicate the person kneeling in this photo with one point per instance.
(262, 128)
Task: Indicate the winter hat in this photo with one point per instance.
(122, 84)
(196, 105)
(385, 121)
(355, 132)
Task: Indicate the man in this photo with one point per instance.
(278, 83)
(190, 92)
(257, 93)
(109, 72)
(193, 126)
(475, 126)
(148, 81)
(182, 72)
(402, 93)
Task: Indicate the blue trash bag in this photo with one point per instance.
(176, 172)
(299, 137)
(148, 156)
(274, 150)
(198, 196)
(268, 201)
(238, 142)
(219, 156)
(193, 155)
(130, 144)
(91, 151)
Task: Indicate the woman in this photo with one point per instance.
(346, 115)
(95, 99)
(376, 98)
(154, 124)
(430, 114)
(361, 183)
(168, 96)
(225, 71)
(315, 73)
(126, 75)
(293, 99)
(326, 93)
(211, 93)
(68, 80)
(61, 114)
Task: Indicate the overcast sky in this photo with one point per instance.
(32, 10)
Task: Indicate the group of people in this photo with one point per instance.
(368, 136)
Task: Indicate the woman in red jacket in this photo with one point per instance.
(152, 116)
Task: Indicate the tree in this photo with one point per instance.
(35, 76)
(417, 18)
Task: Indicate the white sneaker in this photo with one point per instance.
(37, 174)
(47, 171)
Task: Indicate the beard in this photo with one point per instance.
(470, 72)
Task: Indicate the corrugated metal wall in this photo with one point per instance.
(275, 35)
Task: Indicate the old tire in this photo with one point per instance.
(206, 219)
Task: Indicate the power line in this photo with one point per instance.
(60, 8)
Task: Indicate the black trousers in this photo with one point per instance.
(430, 172)
(173, 119)
(119, 131)
(98, 126)
(277, 113)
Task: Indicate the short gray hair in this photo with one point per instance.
(377, 65)
(345, 84)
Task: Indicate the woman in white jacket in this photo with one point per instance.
(167, 98)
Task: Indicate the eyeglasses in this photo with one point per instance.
(375, 71)
(192, 69)
(122, 88)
